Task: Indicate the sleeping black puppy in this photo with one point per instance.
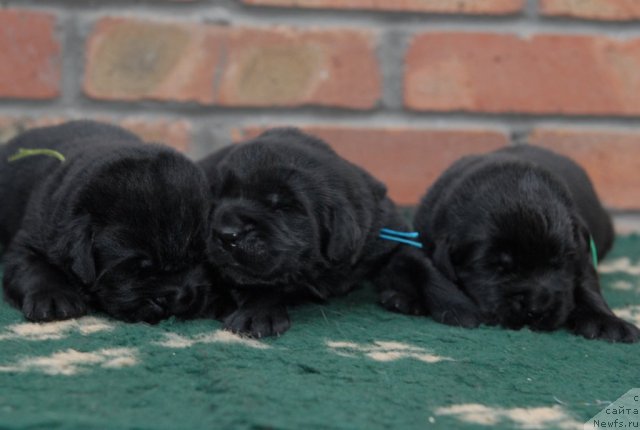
(293, 221)
(510, 235)
(117, 226)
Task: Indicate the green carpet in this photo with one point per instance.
(349, 365)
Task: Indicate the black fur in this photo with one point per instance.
(119, 227)
(293, 221)
(508, 233)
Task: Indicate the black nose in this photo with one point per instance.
(230, 227)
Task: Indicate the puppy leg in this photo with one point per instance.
(202, 297)
(409, 283)
(400, 282)
(446, 302)
(40, 290)
(221, 306)
(592, 317)
(258, 315)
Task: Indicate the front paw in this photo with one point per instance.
(605, 327)
(398, 301)
(53, 305)
(258, 322)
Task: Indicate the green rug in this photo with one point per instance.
(348, 365)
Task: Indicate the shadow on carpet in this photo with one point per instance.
(348, 365)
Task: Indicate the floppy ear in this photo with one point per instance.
(73, 249)
(343, 235)
(583, 239)
(591, 316)
(347, 231)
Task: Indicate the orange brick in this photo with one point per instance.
(495, 7)
(232, 66)
(611, 10)
(134, 60)
(547, 74)
(176, 134)
(408, 160)
(29, 55)
(612, 160)
(287, 67)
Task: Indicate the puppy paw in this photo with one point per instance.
(606, 327)
(397, 301)
(258, 323)
(53, 305)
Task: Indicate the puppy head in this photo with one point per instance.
(139, 238)
(281, 212)
(520, 264)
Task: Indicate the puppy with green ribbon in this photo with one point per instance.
(515, 237)
(93, 218)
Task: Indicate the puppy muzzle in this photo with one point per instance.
(541, 307)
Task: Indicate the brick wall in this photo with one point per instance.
(402, 87)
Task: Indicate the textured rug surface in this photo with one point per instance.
(346, 365)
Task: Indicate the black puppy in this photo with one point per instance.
(293, 221)
(510, 235)
(117, 226)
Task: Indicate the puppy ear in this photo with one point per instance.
(344, 235)
(346, 229)
(73, 249)
(583, 239)
(591, 316)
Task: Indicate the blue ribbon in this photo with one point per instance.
(401, 237)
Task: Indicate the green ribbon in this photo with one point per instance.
(23, 153)
(594, 251)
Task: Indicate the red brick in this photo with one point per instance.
(494, 7)
(29, 55)
(173, 133)
(612, 160)
(408, 160)
(232, 66)
(610, 10)
(546, 74)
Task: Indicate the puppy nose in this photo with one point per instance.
(231, 227)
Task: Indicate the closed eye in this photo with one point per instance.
(282, 203)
